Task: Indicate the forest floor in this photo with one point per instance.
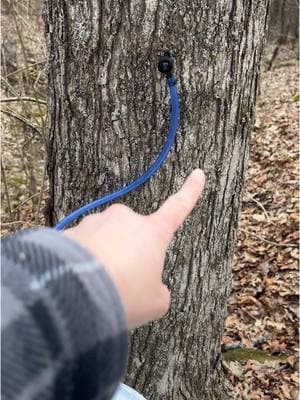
(260, 343)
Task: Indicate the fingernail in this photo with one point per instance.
(198, 172)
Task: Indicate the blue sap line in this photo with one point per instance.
(174, 103)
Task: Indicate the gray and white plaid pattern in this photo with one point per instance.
(64, 334)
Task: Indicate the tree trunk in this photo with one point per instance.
(108, 120)
(284, 21)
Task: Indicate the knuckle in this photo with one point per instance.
(88, 220)
(166, 230)
(119, 208)
(183, 204)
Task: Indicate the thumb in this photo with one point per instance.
(176, 208)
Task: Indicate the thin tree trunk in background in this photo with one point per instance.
(283, 26)
(284, 21)
(108, 120)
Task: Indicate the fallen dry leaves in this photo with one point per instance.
(263, 309)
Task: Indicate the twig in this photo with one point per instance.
(292, 182)
(251, 196)
(20, 97)
(19, 33)
(39, 107)
(39, 74)
(25, 68)
(4, 61)
(12, 99)
(29, 198)
(3, 176)
(21, 150)
(4, 224)
(17, 25)
(41, 194)
(268, 241)
(22, 119)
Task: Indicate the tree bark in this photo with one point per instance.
(108, 120)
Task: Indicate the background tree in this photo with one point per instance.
(284, 20)
(283, 25)
(108, 118)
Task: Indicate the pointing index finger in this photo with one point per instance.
(177, 207)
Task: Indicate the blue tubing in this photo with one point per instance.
(174, 104)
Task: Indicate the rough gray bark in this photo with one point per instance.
(108, 119)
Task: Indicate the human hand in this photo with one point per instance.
(132, 247)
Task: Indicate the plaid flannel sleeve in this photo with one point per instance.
(64, 333)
